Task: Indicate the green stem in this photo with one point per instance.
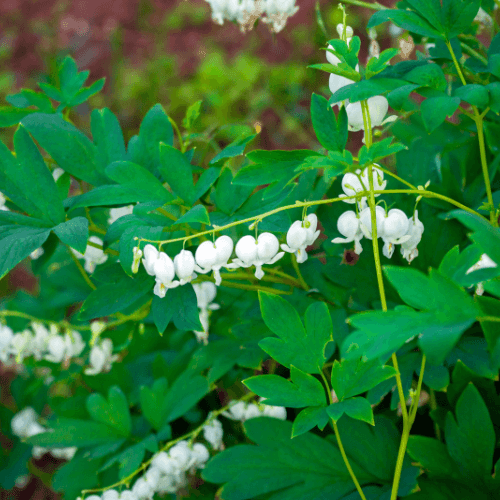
(59, 324)
(339, 441)
(295, 264)
(480, 135)
(100, 247)
(80, 268)
(407, 425)
(179, 135)
(366, 5)
(473, 53)
(433, 405)
(167, 446)
(255, 288)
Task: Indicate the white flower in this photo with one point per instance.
(57, 172)
(150, 256)
(251, 252)
(484, 262)
(36, 254)
(205, 294)
(3, 200)
(164, 463)
(365, 219)
(42, 337)
(377, 108)
(116, 213)
(336, 82)
(409, 247)
(137, 255)
(63, 453)
(277, 12)
(142, 490)
(352, 184)
(6, 336)
(164, 271)
(74, 343)
(110, 495)
(23, 421)
(181, 453)
(93, 256)
(126, 495)
(21, 345)
(101, 357)
(200, 455)
(278, 412)
(213, 256)
(56, 349)
(349, 226)
(245, 411)
(236, 411)
(301, 235)
(184, 266)
(378, 179)
(394, 230)
(213, 433)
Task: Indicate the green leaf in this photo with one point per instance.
(295, 469)
(111, 298)
(197, 214)
(67, 146)
(51, 91)
(331, 134)
(379, 150)
(435, 110)
(474, 94)
(34, 179)
(27, 98)
(355, 376)
(458, 15)
(236, 148)
(365, 89)
(83, 94)
(155, 129)
(17, 242)
(377, 64)
(10, 116)
(341, 69)
(135, 177)
(207, 178)
(176, 170)
(309, 418)
(162, 315)
(113, 412)
(357, 408)
(303, 390)
(228, 196)
(405, 19)
(192, 114)
(72, 432)
(470, 438)
(430, 75)
(74, 232)
(152, 400)
(108, 137)
(298, 346)
(185, 392)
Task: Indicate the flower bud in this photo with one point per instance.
(341, 29)
(137, 253)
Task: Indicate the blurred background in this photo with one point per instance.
(171, 52)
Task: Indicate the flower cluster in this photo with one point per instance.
(377, 105)
(41, 343)
(213, 256)
(205, 294)
(101, 357)
(246, 12)
(242, 410)
(166, 474)
(394, 227)
(93, 256)
(25, 424)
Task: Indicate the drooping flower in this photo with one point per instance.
(378, 179)
(214, 256)
(6, 336)
(484, 262)
(377, 107)
(213, 433)
(241, 410)
(93, 256)
(150, 256)
(351, 185)
(301, 235)
(205, 294)
(164, 272)
(252, 252)
(101, 357)
(365, 218)
(415, 230)
(348, 225)
(394, 230)
(184, 266)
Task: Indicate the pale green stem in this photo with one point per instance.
(295, 264)
(80, 268)
(407, 425)
(179, 135)
(339, 441)
(478, 119)
(367, 5)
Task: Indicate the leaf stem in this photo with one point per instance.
(339, 441)
(179, 135)
(366, 5)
